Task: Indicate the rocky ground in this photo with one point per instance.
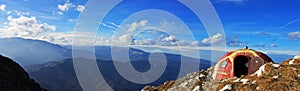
(270, 77)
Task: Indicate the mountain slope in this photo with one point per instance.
(14, 78)
(27, 51)
(60, 76)
(270, 77)
(56, 75)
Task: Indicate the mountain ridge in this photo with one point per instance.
(64, 68)
(270, 77)
(38, 51)
(28, 51)
(14, 78)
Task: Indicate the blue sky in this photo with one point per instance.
(260, 24)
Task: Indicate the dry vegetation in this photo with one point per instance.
(275, 77)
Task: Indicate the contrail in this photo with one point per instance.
(284, 26)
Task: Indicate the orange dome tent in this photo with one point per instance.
(240, 62)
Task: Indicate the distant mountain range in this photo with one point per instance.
(41, 59)
(60, 75)
(51, 64)
(27, 51)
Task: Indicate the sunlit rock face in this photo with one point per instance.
(284, 77)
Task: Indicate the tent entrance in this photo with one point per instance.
(241, 65)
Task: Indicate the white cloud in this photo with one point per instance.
(66, 6)
(259, 45)
(162, 41)
(169, 38)
(80, 8)
(66, 38)
(24, 27)
(195, 43)
(183, 43)
(57, 39)
(294, 35)
(131, 31)
(215, 48)
(16, 12)
(235, 42)
(22, 13)
(72, 20)
(60, 13)
(272, 45)
(168, 41)
(135, 25)
(125, 38)
(262, 34)
(2, 7)
(213, 39)
(143, 42)
(32, 28)
(127, 33)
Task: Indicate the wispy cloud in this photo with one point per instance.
(72, 20)
(16, 12)
(222, 49)
(43, 14)
(272, 45)
(32, 13)
(238, 2)
(115, 25)
(135, 25)
(108, 26)
(289, 23)
(127, 35)
(259, 45)
(262, 34)
(59, 13)
(49, 17)
(134, 34)
(235, 42)
(294, 35)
